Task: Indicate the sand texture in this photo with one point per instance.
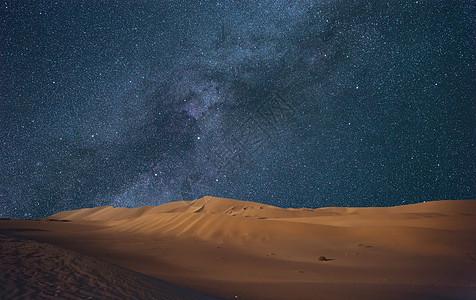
(32, 270)
(245, 250)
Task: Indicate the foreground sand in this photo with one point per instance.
(245, 250)
(32, 270)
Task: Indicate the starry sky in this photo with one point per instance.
(300, 103)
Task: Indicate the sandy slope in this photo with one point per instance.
(249, 250)
(32, 270)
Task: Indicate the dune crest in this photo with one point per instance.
(204, 205)
(207, 205)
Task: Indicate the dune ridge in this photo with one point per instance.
(205, 205)
(224, 206)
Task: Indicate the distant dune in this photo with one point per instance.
(246, 250)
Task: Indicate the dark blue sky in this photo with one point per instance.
(290, 103)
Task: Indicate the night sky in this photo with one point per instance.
(288, 103)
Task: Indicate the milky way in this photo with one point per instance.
(289, 103)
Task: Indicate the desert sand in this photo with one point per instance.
(243, 250)
(32, 270)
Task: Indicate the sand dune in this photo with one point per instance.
(246, 250)
(32, 270)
